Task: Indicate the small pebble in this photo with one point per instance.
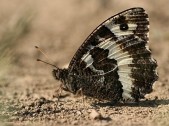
(95, 115)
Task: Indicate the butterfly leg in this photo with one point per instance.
(80, 93)
(59, 93)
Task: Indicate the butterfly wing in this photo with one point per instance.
(117, 50)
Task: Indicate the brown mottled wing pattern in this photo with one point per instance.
(115, 62)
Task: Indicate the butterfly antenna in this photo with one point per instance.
(46, 63)
(43, 52)
(40, 50)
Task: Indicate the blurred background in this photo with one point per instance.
(59, 27)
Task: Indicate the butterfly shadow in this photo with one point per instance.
(145, 103)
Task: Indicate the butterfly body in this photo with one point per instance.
(114, 63)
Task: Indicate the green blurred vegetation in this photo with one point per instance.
(10, 38)
(7, 110)
(3, 110)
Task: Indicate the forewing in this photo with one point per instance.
(118, 48)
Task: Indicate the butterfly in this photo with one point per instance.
(114, 63)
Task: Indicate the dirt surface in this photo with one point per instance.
(28, 93)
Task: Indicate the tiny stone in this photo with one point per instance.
(14, 118)
(15, 113)
(78, 113)
(3, 112)
(75, 122)
(95, 115)
(21, 119)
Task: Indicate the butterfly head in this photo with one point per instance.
(69, 81)
(61, 75)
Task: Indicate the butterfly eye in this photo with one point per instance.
(124, 27)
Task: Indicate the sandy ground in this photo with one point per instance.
(28, 93)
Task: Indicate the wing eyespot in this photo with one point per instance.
(124, 27)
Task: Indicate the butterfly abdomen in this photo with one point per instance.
(100, 87)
